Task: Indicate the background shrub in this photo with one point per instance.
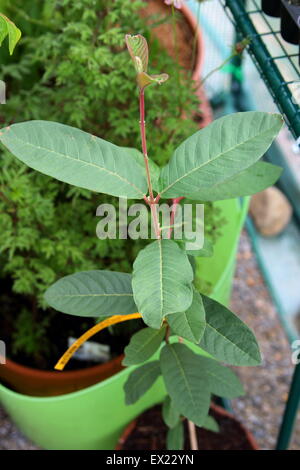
(71, 66)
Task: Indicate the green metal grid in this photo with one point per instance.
(280, 71)
(250, 22)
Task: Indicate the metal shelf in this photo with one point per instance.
(275, 59)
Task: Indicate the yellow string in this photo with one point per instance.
(92, 331)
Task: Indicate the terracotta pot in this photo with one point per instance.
(30, 381)
(207, 115)
(217, 410)
(191, 21)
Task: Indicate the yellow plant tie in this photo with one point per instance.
(92, 331)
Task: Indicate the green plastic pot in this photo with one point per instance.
(95, 417)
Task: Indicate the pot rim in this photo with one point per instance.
(43, 374)
(218, 409)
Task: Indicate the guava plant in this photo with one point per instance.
(187, 336)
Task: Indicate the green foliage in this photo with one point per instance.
(162, 280)
(159, 270)
(205, 252)
(76, 157)
(211, 424)
(227, 338)
(185, 382)
(175, 437)
(236, 142)
(190, 324)
(138, 49)
(170, 414)
(28, 337)
(143, 345)
(8, 28)
(92, 294)
(190, 379)
(254, 179)
(72, 67)
(140, 380)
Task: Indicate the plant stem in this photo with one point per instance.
(219, 67)
(168, 331)
(193, 435)
(151, 201)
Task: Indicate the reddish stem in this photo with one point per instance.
(151, 201)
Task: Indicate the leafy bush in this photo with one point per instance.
(71, 66)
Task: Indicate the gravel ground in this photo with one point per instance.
(266, 386)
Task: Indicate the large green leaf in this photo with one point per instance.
(140, 380)
(75, 157)
(175, 437)
(191, 323)
(256, 178)
(227, 338)
(162, 277)
(170, 414)
(221, 380)
(143, 345)
(222, 149)
(185, 382)
(92, 294)
(153, 167)
(8, 28)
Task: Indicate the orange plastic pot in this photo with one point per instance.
(30, 381)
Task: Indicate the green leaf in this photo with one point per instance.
(170, 414)
(221, 380)
(205, 252)
(185, 382)
(222, 149)
(7, 27)
(75, 157)
(161, 282)
(144, 79)
(92, 294)
(154, 169)
(256, 178)
(143, 345)
(211, 424)
(175, 437)
(190, 324)
(138, 49)
(227, 338)
(140, 380)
